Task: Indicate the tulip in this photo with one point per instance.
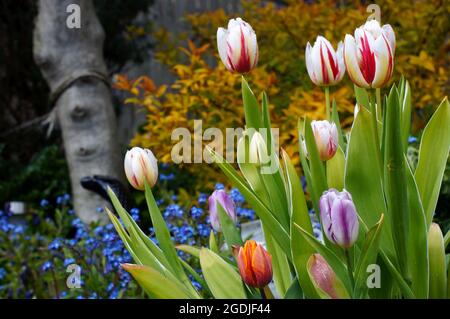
(220, 196)
(324, 278)
(238, 48)
(369, 56)
(325, 66)
(140, 166)
(258, 150)
(339, 218)
(255, 264)
(326, 136)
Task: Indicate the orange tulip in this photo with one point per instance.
(255, 264)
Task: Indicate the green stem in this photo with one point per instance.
(379, 104)
(349, 267)
(327, 102)
(375, 126)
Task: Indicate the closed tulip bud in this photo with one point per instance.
(369, 55)
(324, 278)
(238, 48)
(326, 136)
(436, 257)
(339, 218)
(140, 166)
(255, 264)
(221, 197)
(325, 66)
(258, 150)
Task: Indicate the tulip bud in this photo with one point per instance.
(339, 218)
(324, 278)
(140, 166)
(436, 257)
(255, 264)
(326, 136)
(220, 196)
(238, 48)
(369, 56)
(325, 66)
(258, 150)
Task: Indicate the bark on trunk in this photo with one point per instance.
(71, 60)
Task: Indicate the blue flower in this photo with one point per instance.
(412, 139)
(68, 261)
(203, 230)
(219, 186)
(2, 273)
(202, 198)
(55, 244)
(236, 196)
(48, 265)
(44, 203)
(196, 212)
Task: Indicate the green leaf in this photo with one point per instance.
(191, 250)
(251, 107)
(362, 98)
(368, 255)
(395, 180)
(334, 261)
(336, 170)
(164, 239)
(213, 243)
(301, 249)
(230, 232)
(277, 231)
(417, 240)
(294, 291)
(433, 154)
(363, 177)
(223, 281)
(155, 284)
(447, 239)
(405, 103)
(335, 118)
(436, 251)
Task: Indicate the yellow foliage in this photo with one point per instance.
(211, 93)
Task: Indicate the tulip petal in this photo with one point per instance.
(222, 45)
(344, 222)
(351, 62)
(383, 61)
(390, 35)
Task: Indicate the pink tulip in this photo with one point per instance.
(326, 136)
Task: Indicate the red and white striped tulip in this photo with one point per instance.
(140, 166)
(238, 47)
(326, 136)
(325, 66)
(369, 55)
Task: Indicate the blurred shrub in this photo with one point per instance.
(205, 90)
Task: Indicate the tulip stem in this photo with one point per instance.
(379, 105)
(327, 102)
(349, 267)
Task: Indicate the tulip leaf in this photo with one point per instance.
(165, 242)
(395, 179)
(417, 239)
(266, 216)
(405, 104)
(315, 164)
(223, 281)
(335, 118)
(363, 177)
(301, 249)
(334, 261)
(155, 284)
(433, 154)
(294, 291)
(447, 239)
(230, 232)
(368, 255)
(362, 97)
(251, 107)
(436, 251)
(213, 243)
(191, 250)
(336, 170)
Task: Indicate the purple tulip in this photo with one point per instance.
(339, 217)
(227, 203)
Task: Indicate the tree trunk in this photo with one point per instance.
(71, 61)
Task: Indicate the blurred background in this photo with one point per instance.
(137, 69)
